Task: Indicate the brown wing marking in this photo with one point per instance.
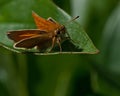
(23, 34)
(43, 24)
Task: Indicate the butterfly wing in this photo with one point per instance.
(46, 25)
(23, 34)
(32, 42)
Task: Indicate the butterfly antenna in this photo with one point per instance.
(68, 23)
(72, 19)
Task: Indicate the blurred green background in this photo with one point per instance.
(69, 75)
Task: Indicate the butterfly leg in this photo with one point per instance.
(58, 42)
(53, 43)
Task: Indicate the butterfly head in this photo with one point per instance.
(60, 31)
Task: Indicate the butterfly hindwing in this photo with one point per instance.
(32, 41)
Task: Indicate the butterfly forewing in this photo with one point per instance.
(23, 34)
(46, 25)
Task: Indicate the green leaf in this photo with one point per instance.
(13, 17)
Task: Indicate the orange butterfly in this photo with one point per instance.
(48, 34)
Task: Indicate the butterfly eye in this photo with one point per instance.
(58, 32)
